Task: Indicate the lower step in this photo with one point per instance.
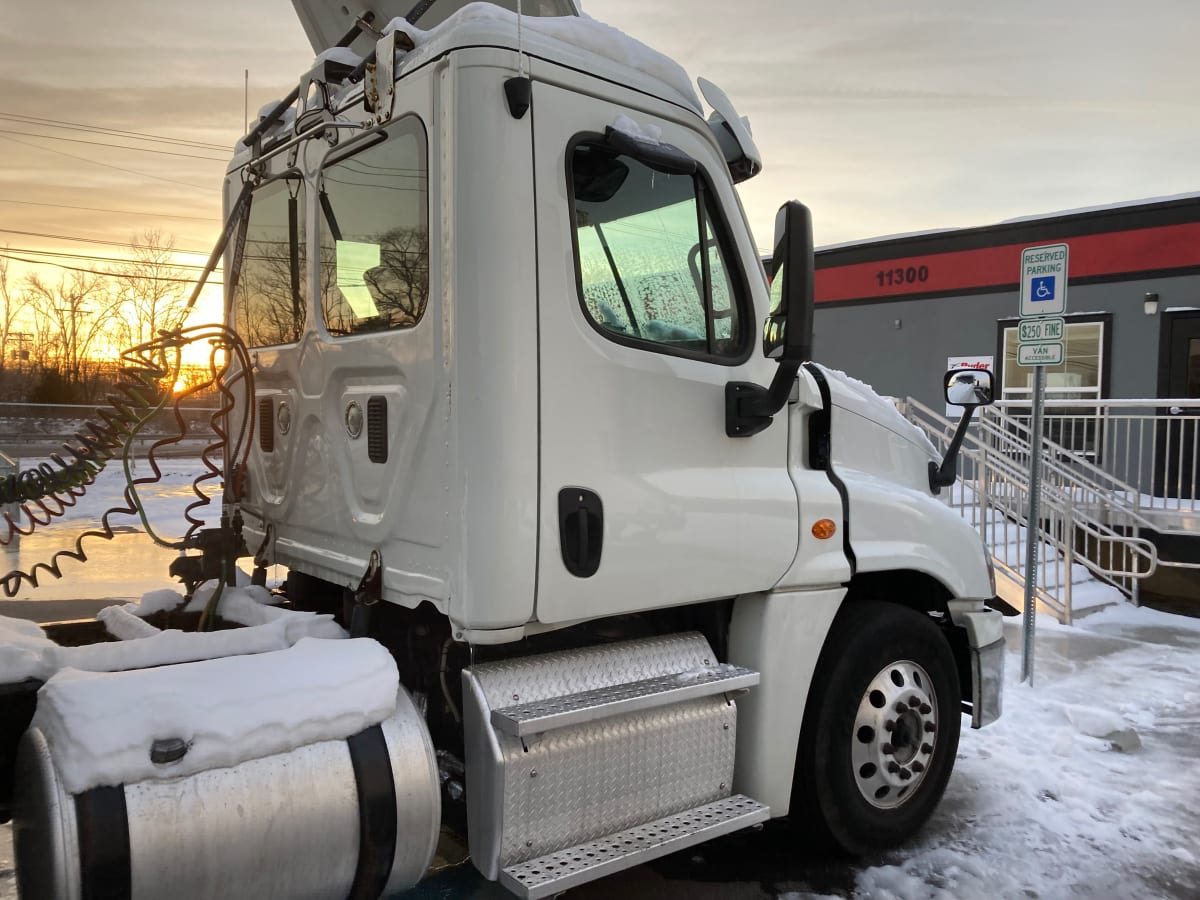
(563, 869)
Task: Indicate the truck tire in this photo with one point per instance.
(880, 730)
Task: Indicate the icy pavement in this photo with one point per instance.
(1086, 787)
(130, 564)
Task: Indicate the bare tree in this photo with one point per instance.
(11, 304)
(73, 322)
(401, 282)
(268, 303)
(152, 288)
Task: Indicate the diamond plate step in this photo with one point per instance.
(587, 706)
(563, 869)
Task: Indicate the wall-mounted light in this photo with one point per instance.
(1150, 303)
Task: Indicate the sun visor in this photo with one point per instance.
(732, 133)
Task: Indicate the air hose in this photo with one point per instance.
(46, 491)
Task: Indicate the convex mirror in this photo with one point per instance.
(968, 387)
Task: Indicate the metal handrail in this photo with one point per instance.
(994, 496)
(1130, 444)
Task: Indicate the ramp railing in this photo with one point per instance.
(1088, 527)
(1144, 453)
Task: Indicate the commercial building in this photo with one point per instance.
(894, 310)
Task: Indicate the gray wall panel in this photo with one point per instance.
(864, 341)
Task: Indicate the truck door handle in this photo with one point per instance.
(580, 530)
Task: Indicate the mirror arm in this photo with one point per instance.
(947, 473)
(749, 407)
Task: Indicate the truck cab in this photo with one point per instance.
(516, 391)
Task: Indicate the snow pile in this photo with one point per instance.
(249, 605)
(124, 625)
(861, 399)
(24, 651)
(650, 133)
(100, 727)
(168, 648)
(582, 32)
(341, 55)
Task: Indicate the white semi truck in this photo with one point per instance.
(636, 576)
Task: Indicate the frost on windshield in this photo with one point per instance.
(644, 270)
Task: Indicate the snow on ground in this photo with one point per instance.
(1087, 785)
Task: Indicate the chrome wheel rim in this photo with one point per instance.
(895, 733)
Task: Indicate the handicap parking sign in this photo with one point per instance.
(1042, 289)
(1044, 280)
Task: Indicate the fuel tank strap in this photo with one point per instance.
(103, 821)
(376, 812)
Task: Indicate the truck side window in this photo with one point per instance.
(269, 299)
(374, 226)
(652, 259)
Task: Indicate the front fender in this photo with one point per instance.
(895, 527)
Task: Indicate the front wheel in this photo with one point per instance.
(880, 729)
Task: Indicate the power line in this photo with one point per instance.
(115, 132)
(128, 212)
(42, 262)
(84, 240)
(109, 259)
(125, 260)
(54, 137)
(14, 140)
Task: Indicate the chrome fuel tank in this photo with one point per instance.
(357, 817)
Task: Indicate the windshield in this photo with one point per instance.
(651, 265)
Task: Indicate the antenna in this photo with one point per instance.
(520, 44)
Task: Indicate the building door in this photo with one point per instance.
(1178, 457)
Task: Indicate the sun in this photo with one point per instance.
(179, 387)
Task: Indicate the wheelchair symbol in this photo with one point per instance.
(1043, 288)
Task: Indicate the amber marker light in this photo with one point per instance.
(824, 529)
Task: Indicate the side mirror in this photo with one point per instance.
(969, 387)
(787, 332)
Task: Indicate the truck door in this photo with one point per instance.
(645, 312)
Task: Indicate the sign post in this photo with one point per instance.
(1039, 344)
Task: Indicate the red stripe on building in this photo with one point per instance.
(1111, 253)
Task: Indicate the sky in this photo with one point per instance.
(884, 117)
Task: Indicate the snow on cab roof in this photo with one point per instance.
(578, 41)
